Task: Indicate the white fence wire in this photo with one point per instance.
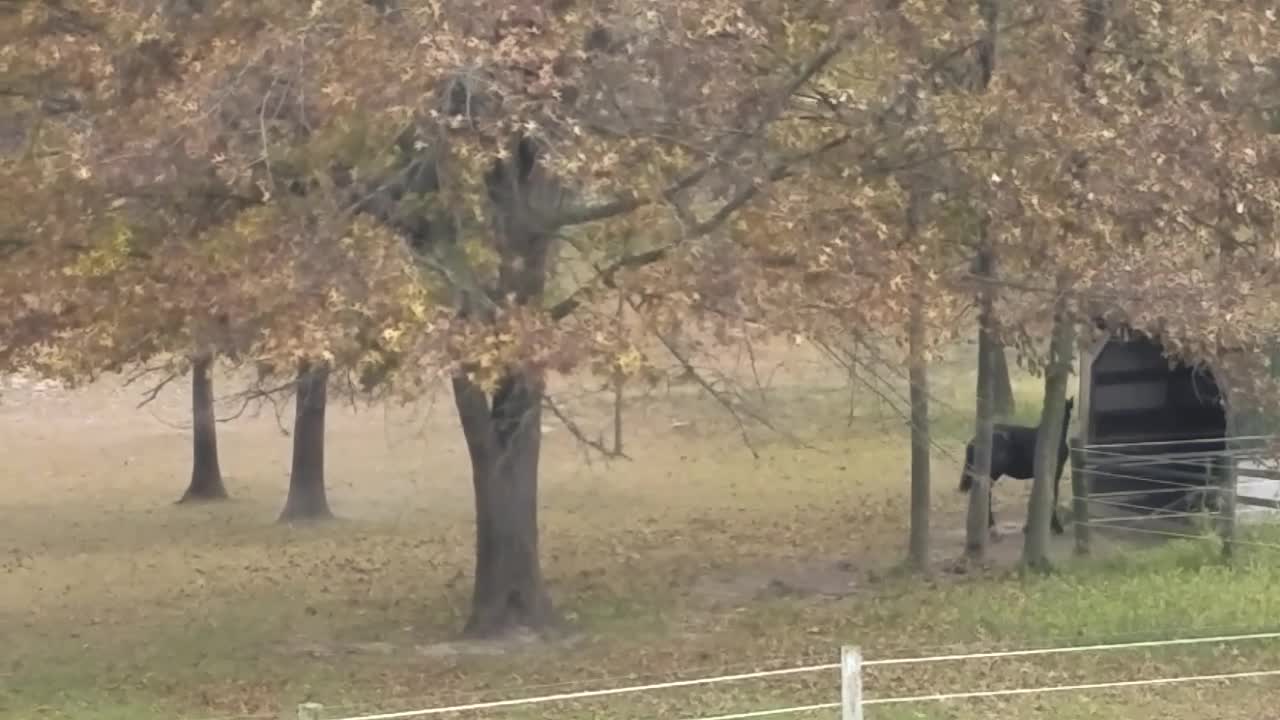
(1221, 677)
(851, 665)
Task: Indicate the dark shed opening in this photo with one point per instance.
(1150, 425)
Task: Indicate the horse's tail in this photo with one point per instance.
(966, 472)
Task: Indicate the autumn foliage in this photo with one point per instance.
(394, 190)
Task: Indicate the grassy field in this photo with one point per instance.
(695, 558)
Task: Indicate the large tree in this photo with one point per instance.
(466, 142)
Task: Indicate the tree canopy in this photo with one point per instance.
(399, 190)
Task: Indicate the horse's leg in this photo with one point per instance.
(1054, 523)
(1026, 526)
(991, 513)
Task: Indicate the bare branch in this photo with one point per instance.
(244, 405)
(142, 372)
(605, 276)
(260, 394)
(776, 106)
(725, 401)
(549, 403)
(711, 390)
(154, 392)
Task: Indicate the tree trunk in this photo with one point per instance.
(1050, 437)
(1080, 489)
(504, 431)
(976, 534)
(503, 439)
(1093, 30)
(206, 475)
(619, 384)
(1004, 403)
(619, 379)
(307, 500)
(980, 493)
(918, 372)
(1226, 487)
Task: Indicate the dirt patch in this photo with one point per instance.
(827, 579)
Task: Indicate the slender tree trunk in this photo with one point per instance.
(1050, 437)
(918, 371)
(976, 534)
(206, 476)
(1093, 29)
(852, 370)
(504, 437)
(619, 379)
(307, 500)
(1225, 475)
(619, 383)
(1226, 484)
(1080, 488)
(1004, 402)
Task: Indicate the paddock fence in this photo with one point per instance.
(1174, 467)
(853, 698)
(1152, 487)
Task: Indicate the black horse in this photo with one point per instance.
(1013, 452)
